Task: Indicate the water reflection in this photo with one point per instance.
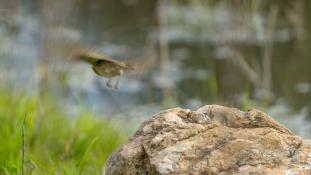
(243, 53)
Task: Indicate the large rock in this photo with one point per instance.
(212, 140)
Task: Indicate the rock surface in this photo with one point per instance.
(212, 140)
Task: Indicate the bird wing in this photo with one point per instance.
(94, 57)
(147, 60)
(140, 65)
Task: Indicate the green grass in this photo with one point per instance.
(55, 143)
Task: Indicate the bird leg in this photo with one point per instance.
(108, 84)
(117, 83)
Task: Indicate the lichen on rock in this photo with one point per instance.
(212, 140)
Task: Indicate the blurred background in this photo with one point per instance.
(243, 53)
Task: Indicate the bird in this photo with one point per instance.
(105, 66)
(108, 67)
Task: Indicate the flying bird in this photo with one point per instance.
(105, 66)
(108, 67)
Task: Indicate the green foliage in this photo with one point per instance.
(55, 143)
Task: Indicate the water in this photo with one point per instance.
(39, 36)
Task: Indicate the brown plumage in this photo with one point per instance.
(107, 67)
(104, 66)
